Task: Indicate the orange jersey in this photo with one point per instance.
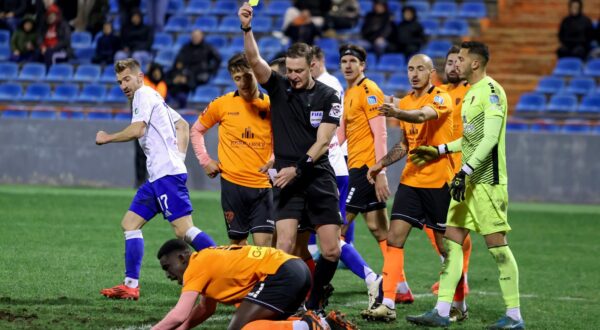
(161, 87)
(361, 103)
(228, 273)
(457, 94)
(432, 132)
(245, 137)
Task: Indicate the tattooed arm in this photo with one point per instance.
(395, 154)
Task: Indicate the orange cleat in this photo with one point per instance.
(337, 321)
(404, 298)
(435, 288)
(121, 291)
(313, 321)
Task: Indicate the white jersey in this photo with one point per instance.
(336, 156)
(160, 140)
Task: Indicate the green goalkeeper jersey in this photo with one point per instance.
(485, 100)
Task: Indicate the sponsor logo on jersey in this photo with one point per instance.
(372, 99)
(315, 118)
(494, 99)
(336, 110)
(136, 110)
(438, 99)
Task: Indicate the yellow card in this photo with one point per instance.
(253, 3)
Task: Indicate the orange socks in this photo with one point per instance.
(466, 247)
(393, 271)
(431, 236)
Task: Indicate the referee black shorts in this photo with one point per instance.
(246, 210)
(422, 206)
(284, 291)
(361, 193)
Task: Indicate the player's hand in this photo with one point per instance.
(423, 154)
(382, 191)
(373, 172)
(102, 138)
(245, 14)
(212, 168)
(458, 185)
(265, 168)
(388, 110)
(285, 176)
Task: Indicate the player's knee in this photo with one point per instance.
(331, 253)
(285, 244)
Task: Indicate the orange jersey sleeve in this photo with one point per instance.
(245, 137)
(361, 103)
(457, 94)
(432, 132)
(228, 273)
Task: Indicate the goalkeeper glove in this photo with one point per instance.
(458, 185)
(424, 154)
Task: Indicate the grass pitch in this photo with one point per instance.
(60, 246)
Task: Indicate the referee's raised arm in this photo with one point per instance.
(261, 69)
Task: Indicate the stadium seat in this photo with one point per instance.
(65, 93)
(562, 103)
(115, 95)
(72, 115)
(205, 94)
(114, 7)
(198, 7)
(177, 24)
(365, 7)
(165, 58)
(377, 77)
(277, 8)
(206, 23)
(36, 92)
(270, 44)
(544, 125)
(224, 7)
(99, 115)
(398, 82)
(87, 73)
(84, 55)
(123, 116)
(20, 114)
(550, 85)
(437, 48)
(81, 40)
(108, 75)
(592, 68)
(8, 71)
(181, 40)
(230, 24)
(576, 126)
(237, 43)
(223, 78)
(162, 40)
(568, 66)
(60, 72)
(4, 52)
(391, 62)
(514, 125)
(92, 93)
(262, 24)
(43, 115)
(590, 104)
(441, 9)
(328, 45)
(431, 26)
(472, 10)
(175, 6)
(10, 91)
(454, 28)
(581, 85)
(216, 40)
(332, 60)
(4, 37)
(531, 102)
(422, 8)
(32, 72)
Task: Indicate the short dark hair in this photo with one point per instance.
(318, 53)
(453, 50)
(238, 62)
(300, 50)
(172, 245)
(280, 63)
(478, 48)
(354, 50)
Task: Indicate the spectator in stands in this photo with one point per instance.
(127, 8)
(180, 82)
(23, 41)
(303, 29)
(155, 79)
(157, 10)
(37, 9)
(318, 11)
(343, 15)
(91, 15)
(107, 46)
(576, 32)
(409, 34)
(200, 57)
(54, 39)
(10, 13)
(137, 40)
(68, 8)
(378, 26)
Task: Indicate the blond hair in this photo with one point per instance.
(128, 63)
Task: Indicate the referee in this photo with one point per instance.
(305, 114)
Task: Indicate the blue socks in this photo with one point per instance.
(198, 239)
(353, 260)
(134, 252)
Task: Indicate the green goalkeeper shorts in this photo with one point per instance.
(484, 209)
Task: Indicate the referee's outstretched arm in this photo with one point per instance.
(261, 69)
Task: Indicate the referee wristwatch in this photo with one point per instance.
(247, 29)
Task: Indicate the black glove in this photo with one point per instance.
(458, 186)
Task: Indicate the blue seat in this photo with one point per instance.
(99, 115)
(4, 52)
(114, 7)
(545, 125)
(92, 93)
(391, 62)
(562, 103)
(531, 102)
(32, 72)
(9, 71)
(115, 95)
(277, 8)
(237, 44)
(398, 82)
(518, 126)
(205, 94)
(328, 45)
(592, 68)
(65, 93)
(87, 73)
(590, 104)
(581, 85)
(550, 85)
(198, 7)
(4, 37)
(84, 55)
(568, 66)
(332, 60)
(431, 26)
(365, 7)
(81, 39)
(177, 24)
(175, 6)
(123, 116)
(206, 23)
(270, 44)
(60, 72)
(472, 10)
(162, 40)
(43, 115)
(225, 7)
(230, 24)
(165, 58)
(108, 75)
(36, 92)
(262, 24)
(422, 7)
(437, 48)
(376, 77)
(216, 40)
(72, 115)
(455, 28)
(181, 40)
(10, 92)
(443, 9)
(223, 78)
(20, 114)
(576, 126)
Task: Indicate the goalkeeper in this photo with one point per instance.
(479, 190)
